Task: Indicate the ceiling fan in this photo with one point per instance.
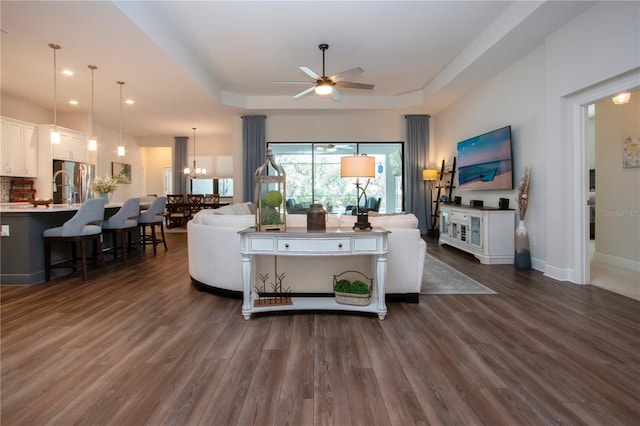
(333, 147)
(327, 85)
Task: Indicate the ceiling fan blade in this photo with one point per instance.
(308, 71)
(304, 92)
(342, 75)
(353, 85)
(335, 94)
(291, 82)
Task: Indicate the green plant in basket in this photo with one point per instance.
(356, 287)
(343, 286)
(359, 287)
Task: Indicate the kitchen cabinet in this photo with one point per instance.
(19, 148)
(72, 144)
(487, 233)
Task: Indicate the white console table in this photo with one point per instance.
(300, 242)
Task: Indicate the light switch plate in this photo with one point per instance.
(5, 231)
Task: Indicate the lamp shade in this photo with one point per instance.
(358, 166)
(429, 174)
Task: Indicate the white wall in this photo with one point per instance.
(532, 95)
(578, 58)
(22, 110)
(339, 126)
(513, 97)
(156, 160)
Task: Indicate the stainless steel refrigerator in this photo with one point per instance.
(71, 181)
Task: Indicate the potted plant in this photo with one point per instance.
(355, 292)
(270, 213)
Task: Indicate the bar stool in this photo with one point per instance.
(124, 226)
(82, 227)
(152, 217)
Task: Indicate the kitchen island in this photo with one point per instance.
(22, 251)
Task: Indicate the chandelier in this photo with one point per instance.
(195, 171)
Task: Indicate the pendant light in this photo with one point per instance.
(93, 142)
(195, 171)
(55, 135)
(121, 150)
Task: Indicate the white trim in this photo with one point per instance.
(575, 110)
(559, 274)
(618, 262)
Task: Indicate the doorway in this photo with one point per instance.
(613, 159)
(575, 112)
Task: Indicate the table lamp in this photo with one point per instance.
(359, 166)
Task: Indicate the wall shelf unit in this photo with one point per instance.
(445, 183)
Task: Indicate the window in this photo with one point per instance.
(313, 175)
(222, 187)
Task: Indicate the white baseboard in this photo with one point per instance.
(617, 262)
(559, 274)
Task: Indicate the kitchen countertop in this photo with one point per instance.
(30, 208)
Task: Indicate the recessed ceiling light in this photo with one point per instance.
(129, 102)
(67, 72)
(73, 102)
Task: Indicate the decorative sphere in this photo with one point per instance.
(273, 198)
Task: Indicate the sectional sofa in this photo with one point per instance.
(215, 263)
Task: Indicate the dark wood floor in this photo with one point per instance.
(139, 345)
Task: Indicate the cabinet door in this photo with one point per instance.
(78, 148)
(475, 228)
(62, 150)
(4, 148)
(12, 150)
(444, 223)
(30, 150)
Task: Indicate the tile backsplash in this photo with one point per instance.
(5, 186)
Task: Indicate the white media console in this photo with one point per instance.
(488, 233)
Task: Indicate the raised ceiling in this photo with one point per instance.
(197, 64)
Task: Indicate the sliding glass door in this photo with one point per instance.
(313, 175)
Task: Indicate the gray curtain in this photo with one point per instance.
(416, 160)
(254, 147)
(180, 161)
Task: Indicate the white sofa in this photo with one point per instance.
(215, 263)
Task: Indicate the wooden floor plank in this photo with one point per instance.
(138, 344)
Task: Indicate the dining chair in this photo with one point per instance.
(84, 226)
(195, 203)
(151, 218)
(211, 198)
(178, 212)
(123, 226)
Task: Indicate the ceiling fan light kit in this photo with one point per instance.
(327, 85)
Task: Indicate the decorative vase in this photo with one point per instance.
(106, 196)
(523, 255)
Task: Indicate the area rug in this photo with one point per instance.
(440, 278)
